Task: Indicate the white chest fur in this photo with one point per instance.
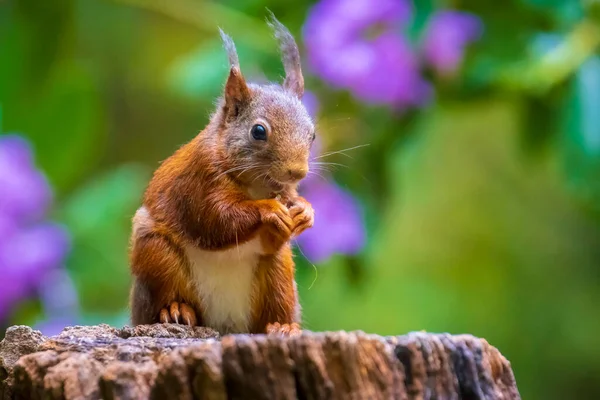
(223, 280)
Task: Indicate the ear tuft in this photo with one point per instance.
(294, 81)
(237, 93)
(230, 49)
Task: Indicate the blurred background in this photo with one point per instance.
(460, 190)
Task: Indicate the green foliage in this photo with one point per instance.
(200, 73)
(99, 217)
(69, 96)
(580, 135)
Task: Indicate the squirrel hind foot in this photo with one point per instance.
(178, 313)
(284, 330)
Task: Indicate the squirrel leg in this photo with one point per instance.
(161, 291)
(277, 310)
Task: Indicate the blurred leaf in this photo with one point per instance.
(538, 75)
(543, 43)
(565, 12)
(421, 13)
(63, 119)
(200, 73)
(12, 53)
(588, 90)
(99, 218)
(496, 48)
(542, 123)
(27, 312)
(203, 72)
(38, 34)
(581, 138)
(207, 15)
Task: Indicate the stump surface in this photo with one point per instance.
(171, 361)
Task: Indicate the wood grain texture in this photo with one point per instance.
(172, 361)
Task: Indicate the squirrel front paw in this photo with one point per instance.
(302, 213)
(277, 223)
(178, 313)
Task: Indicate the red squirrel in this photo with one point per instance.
(210, 245)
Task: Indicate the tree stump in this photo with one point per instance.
(170, 361)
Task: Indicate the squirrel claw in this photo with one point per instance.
(286, 330)
(188, 314)
(174, 311)
(164, 316)
(177, 311)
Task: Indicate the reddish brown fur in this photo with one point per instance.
(183, 191)
(277, 301)
(191, 199)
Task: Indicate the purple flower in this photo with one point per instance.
(25, 192)
(338, 227)
(30, 247)
(338, 216)
(311, 103)
(356, 45)
(448, 33)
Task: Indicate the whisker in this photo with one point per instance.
(254, 176)
(330, 153)
(330, 163)
(313, 265)
(263, 175)
(321, 168)
(247, 169)
(237, 168)
(326, 170)
(317, 174)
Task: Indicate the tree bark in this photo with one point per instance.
(172, 361)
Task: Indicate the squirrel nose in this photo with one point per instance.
(297, 172)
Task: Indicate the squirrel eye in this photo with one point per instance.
(314, 136)
(259, 132)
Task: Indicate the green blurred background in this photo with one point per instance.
(481, 208)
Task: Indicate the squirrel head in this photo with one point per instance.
(265, 132)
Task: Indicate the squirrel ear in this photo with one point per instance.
(236, 90)
(294, 81)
